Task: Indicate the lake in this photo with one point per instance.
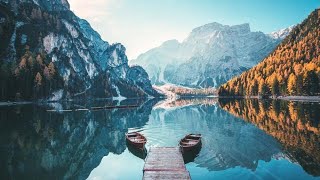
(242, 139)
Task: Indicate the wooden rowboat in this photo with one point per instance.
(190, 142)
(136, 139)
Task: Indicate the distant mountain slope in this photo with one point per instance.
(292, 69)
(209, 56)
(36, 34)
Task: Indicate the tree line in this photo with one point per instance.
(33, 76)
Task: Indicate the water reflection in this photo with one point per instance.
(296, 125)
(227, 141)
(189, 156)
(36, 144)
(140, 153)
(80, 144)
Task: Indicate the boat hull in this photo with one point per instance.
(137, 145)
(136, 140)
(191, 148)
(190, 142)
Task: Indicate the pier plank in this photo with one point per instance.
(165, 163)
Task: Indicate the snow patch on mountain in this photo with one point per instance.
(66, 75)
(54, 58)
(72, 30)
(36, 2)
(51, 41)
(282, 33)
(119, 97)
(57, 95)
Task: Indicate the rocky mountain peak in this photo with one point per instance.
(282, 33)
(211, 26)
(241, 28)
(53, 5)
(172, 42)
(65, 3)
(214, 53)
(209, 32)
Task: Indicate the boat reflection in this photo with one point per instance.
(140, 153)
(189, 156)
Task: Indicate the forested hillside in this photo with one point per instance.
(34, 77)
(292, 69)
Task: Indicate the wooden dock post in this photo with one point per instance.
(165, 163)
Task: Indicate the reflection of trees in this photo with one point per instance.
(228, 142)
(35, 143)
(295, 124)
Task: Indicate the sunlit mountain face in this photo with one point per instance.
(214, 53)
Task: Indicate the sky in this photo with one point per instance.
(144, 24)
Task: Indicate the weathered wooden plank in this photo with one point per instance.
(168, 175)
(165, 163)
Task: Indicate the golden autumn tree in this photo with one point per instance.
(38, 79)
(51, 69)
(39, 60)
(263, 88)
(23, 63)
(292, 84)
(274, 86)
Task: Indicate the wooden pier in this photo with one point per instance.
(165, 163)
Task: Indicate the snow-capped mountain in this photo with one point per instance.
(282, 33)
(88, 65)
(208, 57)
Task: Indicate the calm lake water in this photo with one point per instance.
(242, 139)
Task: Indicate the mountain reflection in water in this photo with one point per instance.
(256, 139)
(36, 144)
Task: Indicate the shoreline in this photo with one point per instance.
(14, 103)
(286, 98)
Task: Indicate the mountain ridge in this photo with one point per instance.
(229, 48)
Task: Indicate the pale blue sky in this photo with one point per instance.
(143, 24)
